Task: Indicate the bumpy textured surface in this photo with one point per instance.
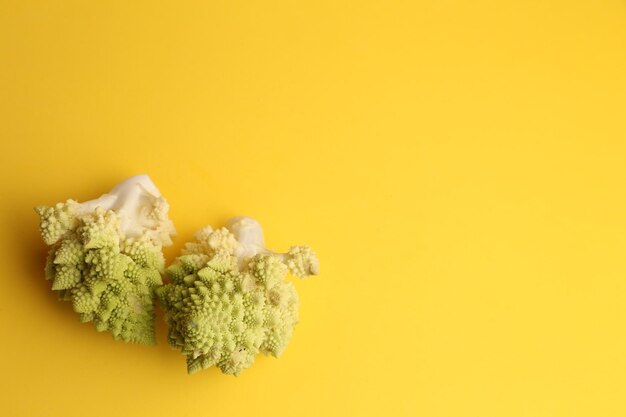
(222, 310)
(109, 278)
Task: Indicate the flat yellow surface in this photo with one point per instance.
(459, 167)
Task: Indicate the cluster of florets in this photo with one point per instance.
(106, 256)
(222, 309)
(108, 279)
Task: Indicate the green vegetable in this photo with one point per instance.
(106, 256)
(227, 298)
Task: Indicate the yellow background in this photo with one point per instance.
(459, 167)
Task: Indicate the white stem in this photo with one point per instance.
(249, 234)
(132, 199)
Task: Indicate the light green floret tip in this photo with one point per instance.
(106, 256)
(227, 299)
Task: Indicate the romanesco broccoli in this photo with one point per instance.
(106, 256)
(227, 298)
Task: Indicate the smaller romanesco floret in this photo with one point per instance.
(227, 299)
(106, 256)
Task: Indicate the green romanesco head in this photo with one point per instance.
(108, 272)
(223, 308)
